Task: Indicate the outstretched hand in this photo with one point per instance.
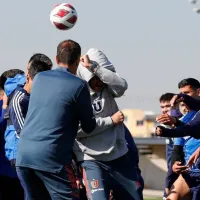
(176, 99)
(193, 158)
(159, 131)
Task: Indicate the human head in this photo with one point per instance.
(40, 57)
(96, 84)
(9, 74)
(34, 68)
(165, 102)
(190, 86)
(183, 108)
(68, 55)
(98, 57)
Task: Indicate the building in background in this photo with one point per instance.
(140, 123)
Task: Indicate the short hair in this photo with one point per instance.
(194, 83)
(43, 58)
(37, 66)
(166, 97)
(68, 52)
(9, 74)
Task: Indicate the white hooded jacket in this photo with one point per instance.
(107, 142)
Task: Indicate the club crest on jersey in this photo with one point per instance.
(95, 184)
(97, 106)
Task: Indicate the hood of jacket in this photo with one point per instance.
(100, 58)
(12, 83)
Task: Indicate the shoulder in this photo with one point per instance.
(59, 74)
(19, 95)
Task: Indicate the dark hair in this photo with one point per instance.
(68, 52)
(9, 74)
(189, 81)
(37, 66)
(166, 97)
(43, 58)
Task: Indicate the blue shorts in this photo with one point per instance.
(193, 181)
(42, 185)
(118, 175)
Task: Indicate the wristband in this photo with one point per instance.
(93, 67)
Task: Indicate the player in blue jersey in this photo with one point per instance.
(10, 187)
(18, 105)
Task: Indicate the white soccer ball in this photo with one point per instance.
(63, 16)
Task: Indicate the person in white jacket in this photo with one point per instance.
(103, 153)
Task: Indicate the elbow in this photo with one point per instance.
(121, 90)
(119, 93)
(90, 127)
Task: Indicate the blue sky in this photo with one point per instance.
(152, 43)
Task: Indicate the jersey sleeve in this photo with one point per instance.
(85, 110)
(179, 141)
(116, 84)
(18, 110)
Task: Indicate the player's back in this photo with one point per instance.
(52, 121)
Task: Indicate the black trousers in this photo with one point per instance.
(10, 188)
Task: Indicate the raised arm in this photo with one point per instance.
(115, 83)
(192, 103)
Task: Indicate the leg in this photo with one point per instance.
(169, 148)
(33, 186)
(179, 190)
(5, 193)
(193, 181)
(128, 183)
(171, 177)
(17, 189)
(7, 185)
(96, 181)
(61, 186)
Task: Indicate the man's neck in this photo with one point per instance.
(27, 88)
(67, 67)
(63, 65)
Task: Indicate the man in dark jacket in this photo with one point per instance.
(59, 101)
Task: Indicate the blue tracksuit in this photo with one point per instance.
(120, 175)
(58, 102)
(190, 129)
(10, 187)
(18, 108)
(5, 167)
(11, 140)
(190, 145)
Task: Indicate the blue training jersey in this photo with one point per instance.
(189, 143)
(18, 108)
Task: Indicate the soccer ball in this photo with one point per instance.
(63, 16)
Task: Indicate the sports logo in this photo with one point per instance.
(97, 106)
(95, 184)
